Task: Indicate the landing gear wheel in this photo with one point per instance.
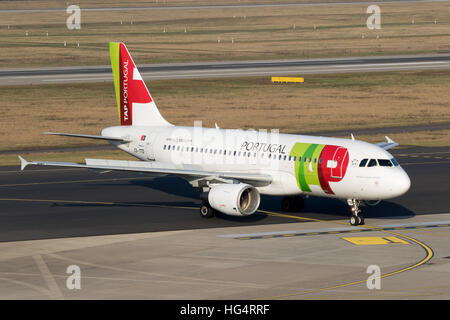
(299, 203)
(292, 204)
(361, 220)
(287, 204)
(206, 211)
(356, 220)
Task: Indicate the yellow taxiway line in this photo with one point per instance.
(429, 254)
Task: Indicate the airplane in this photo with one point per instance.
(234, 167)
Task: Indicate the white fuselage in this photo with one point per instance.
(298, 164)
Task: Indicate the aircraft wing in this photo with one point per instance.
(87, 136)
(388, 144)
(159, 169)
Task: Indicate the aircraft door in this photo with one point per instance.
(149, 147)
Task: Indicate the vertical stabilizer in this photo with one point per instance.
(136, 106)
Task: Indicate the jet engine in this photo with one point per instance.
(234, 199)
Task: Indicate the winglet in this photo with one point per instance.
(23, 163)
(353, 138)
(388, 144)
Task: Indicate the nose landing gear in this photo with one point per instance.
(357, 218)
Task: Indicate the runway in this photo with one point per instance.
(135, 237)
(228, 69)
(53, 203)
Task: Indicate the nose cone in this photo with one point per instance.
(400, 183)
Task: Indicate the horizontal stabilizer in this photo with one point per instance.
(23, 163)
(87, 136)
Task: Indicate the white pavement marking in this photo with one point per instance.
(54, 291)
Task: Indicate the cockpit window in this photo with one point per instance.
(372, 163)
(384, 163)
(394, 162)
(363, 162)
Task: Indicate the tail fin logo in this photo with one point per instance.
(124, 91)
(130, 87)
(135, 104)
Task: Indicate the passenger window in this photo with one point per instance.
(372, 163)
(363, 162)
(384, 163)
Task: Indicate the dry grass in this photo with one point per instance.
(323, 102)
(264, 33)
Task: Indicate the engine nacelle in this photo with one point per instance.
(234, 199)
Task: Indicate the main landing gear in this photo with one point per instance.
(357, 218)
(206, 211)
(293, 204)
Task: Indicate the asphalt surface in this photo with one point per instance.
(228, 69)
(223, 6)
(58, 203)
